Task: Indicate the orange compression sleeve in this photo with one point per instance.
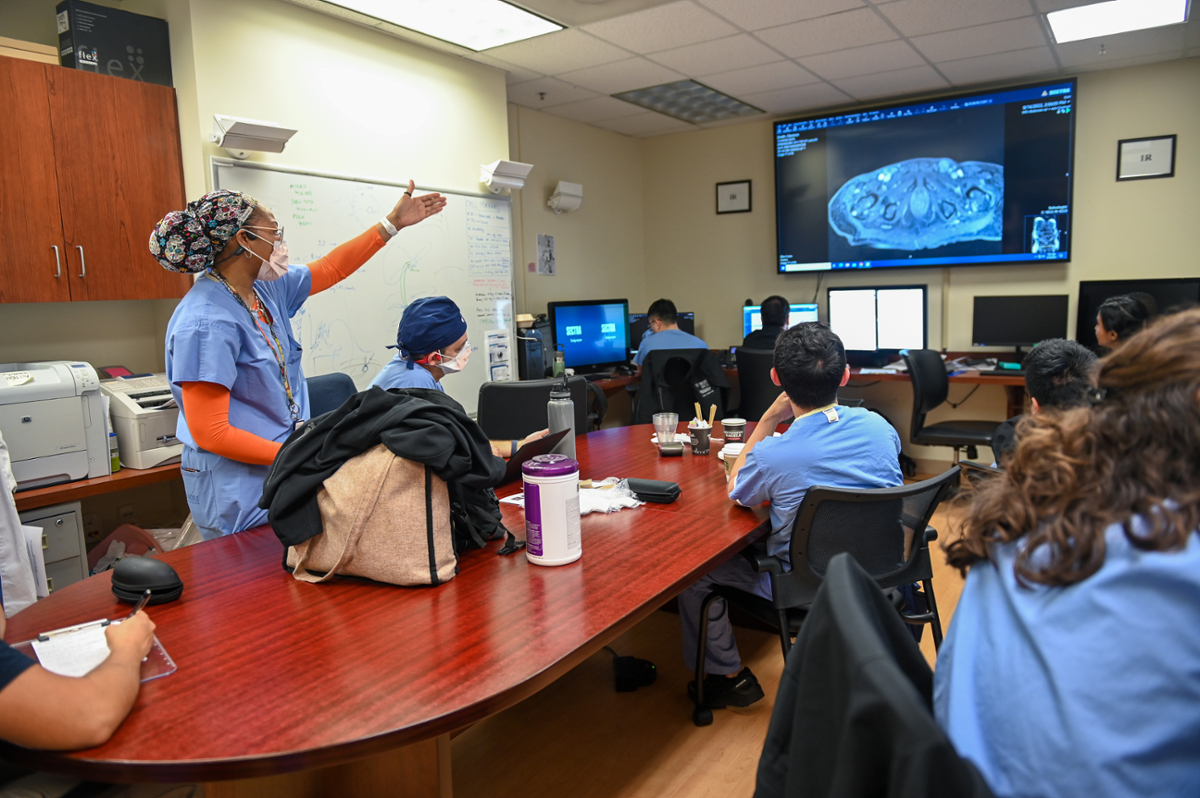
(344, 259)
(206, 408)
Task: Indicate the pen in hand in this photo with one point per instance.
(141, 603)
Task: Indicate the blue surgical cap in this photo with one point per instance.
(429, 324)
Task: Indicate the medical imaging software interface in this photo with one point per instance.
(968, 180)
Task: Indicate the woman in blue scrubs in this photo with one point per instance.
(232, 358)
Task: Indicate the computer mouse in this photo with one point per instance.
(132, 576)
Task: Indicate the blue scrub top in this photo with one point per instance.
(667, 339)
(397, 374)
(858, 451)
(212, 338)
(1091, 689)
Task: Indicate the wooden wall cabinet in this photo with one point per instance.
(89, 164)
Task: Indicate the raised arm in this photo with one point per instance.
(345, 259)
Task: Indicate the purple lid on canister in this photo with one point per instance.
(549, 465)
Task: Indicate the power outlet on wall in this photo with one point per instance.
(91, 528)
(127, 514)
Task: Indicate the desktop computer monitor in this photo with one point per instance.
(1019, 321)
(1168, 294)
(638, 324)
(593, 333)
(797, 314)
(882, 319)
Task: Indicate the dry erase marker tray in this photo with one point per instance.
(77, 650)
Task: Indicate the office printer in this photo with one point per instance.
(144, 416)
(52, 418)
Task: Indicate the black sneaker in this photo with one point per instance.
(721, 691)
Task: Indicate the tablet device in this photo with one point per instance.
(529, 451)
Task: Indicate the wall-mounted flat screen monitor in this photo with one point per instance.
(593, 333)
(638, 324)
(1018, 320)
(966, 179)
(883, 319)
(797, 314)
(1166, 295)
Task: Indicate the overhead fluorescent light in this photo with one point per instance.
(1117, 16)
(690, 101)
(474, 24)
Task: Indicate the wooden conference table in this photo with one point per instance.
(353, 687)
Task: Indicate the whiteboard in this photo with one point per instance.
(464, 252)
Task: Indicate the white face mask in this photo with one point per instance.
(277, 266)
(457, 363)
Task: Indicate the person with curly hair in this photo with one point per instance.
(1072, 666)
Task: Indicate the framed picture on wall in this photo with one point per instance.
(1142, 159)
(733, 197)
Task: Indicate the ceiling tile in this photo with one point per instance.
(863, 60)
(917, 17)
(798, 98)
(722, 55)
(998, 66)
(558, 52)
(998, 37)
(1122, 46)
(739, 121)
(755, 80)
(834, 32)
(647, 123)
(662, 28)
(1192, 53)
(557, 92)
(515, 74)
(893, 82)
(596, 109)
(1045, 6)
(771, 13)
(632, 73)
(1126, 62)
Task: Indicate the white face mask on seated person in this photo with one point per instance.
(455, 364)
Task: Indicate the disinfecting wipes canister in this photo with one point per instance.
(551, 509)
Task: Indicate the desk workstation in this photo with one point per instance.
(801, 211)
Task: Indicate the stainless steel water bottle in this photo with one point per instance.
(560, 411)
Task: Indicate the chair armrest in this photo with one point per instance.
(930, 534)
(601, 402)
(762, 562)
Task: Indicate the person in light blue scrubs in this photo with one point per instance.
(1072, 666)
(232, 358)
(663, 331)
(432, 339)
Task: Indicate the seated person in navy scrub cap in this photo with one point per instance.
(432, 339)
(40, 709)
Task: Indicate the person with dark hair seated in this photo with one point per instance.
(774, 312)
(663, 331)
(1118, 318)
(1057, 376)
(827, 444)
(1072, 666)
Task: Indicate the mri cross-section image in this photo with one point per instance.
(921, 203)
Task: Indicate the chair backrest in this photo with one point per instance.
(328, 391)
(978, 474)
(673, 380)
(754, 378)
(882, 529)
(931, 384)
(513, 409)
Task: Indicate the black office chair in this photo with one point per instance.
(328, 391)
(854, 711)
(931, 386)
(978, 474)
(885, 530)
(754, 377)
(513, 409)
(674, 380)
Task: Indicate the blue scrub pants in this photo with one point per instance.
(222, 494)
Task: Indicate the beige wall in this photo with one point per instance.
(601, 248)
(365, 104)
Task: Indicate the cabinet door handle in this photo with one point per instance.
(49, 585)
(45, 541)
(57, 263)
(82, 262)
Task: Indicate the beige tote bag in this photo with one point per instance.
(385, 518)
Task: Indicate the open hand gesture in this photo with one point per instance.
(410, 210)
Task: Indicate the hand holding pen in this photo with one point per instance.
(133, 635)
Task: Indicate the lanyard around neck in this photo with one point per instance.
(276, 350)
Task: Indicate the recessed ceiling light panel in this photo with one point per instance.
(690, 101)
(1116, 16)
(474, 24)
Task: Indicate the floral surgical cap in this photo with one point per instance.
(189, 240)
